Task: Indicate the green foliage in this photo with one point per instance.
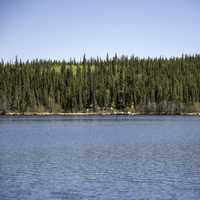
(159, 85)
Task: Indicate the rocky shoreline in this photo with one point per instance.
(91, 114)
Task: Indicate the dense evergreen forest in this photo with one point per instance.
(128, 84)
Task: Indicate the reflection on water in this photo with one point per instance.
(90, 158)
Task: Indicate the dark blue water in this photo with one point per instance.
(100, 158)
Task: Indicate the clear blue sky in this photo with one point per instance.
(60, 29)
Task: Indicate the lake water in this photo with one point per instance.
(100, 158)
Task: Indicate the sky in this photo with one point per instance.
(60, 29)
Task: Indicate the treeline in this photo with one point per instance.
(128, 84)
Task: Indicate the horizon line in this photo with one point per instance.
(103, 58)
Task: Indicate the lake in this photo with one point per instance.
(100, 158)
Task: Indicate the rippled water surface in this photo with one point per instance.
(100, 158)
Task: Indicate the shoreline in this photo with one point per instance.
(96, 114)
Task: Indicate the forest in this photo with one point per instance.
(114, 84)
